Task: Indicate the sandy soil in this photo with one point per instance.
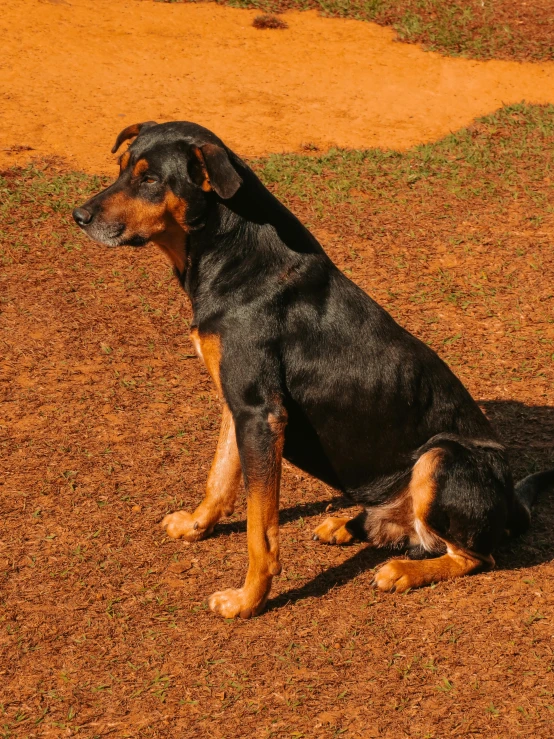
(74, 72)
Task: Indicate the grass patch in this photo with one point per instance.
(479, 29)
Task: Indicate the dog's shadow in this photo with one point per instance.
(527, 432)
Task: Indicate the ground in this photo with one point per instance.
(109, 421)
(322, 82)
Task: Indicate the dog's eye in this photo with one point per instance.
(150, 180)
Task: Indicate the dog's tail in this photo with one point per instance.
(526, 493)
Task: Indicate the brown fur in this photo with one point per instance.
(140, 167)
(333, 531)
(124, 160)
(403, 574)
(263, 521)
(208, 348)
(221, 489)
(161, 221)
(139, 216)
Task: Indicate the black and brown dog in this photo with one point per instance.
(311, 369)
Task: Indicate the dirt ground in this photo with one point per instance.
(108, 421)
(321, 82)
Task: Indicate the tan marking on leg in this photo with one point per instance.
(422, 483)
(423, 489)
(221, 489)
(208, 348)
(400, 520)
(333, 531)
(263, 480)
(403, 574)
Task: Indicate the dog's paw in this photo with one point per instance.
(333, 531)
(182, 525)
(232, 603)
(397, 575)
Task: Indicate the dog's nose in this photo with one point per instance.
(82, 216)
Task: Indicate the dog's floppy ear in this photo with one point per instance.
(211, 169)
(130, 132)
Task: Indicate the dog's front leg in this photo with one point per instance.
(221, 489)
(260, 437)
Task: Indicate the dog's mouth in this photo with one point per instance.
(113, 234)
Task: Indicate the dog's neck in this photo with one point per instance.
(173, 243)
(250, 234)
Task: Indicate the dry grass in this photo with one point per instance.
(268, 21)
(107, 422)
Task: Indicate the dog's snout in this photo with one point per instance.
(82, 216)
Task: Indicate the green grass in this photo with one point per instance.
(499, 156)
(481, 29)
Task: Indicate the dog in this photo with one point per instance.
(309, 368)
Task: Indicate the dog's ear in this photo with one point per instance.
(130, 132)
(211, 169)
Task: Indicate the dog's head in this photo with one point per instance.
(168, 177)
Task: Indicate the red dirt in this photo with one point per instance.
(321, 82)
(109, 422)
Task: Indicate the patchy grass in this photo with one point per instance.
(480, 29)
(107, 422)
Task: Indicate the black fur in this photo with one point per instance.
(364, 398)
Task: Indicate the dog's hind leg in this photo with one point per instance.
(403, 574)
(380, 525)
(221, 489)
(459, 503)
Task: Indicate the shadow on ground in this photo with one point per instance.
(528, 432)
